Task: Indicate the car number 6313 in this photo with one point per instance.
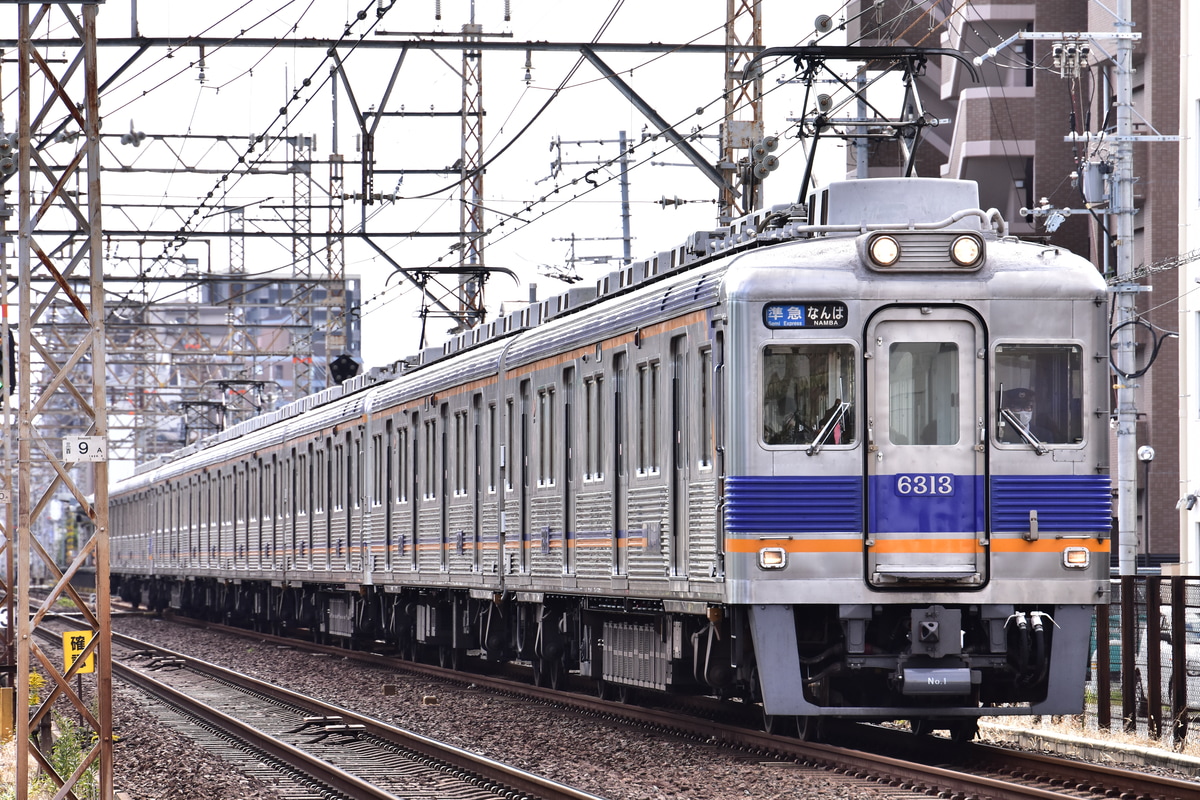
(924, 484)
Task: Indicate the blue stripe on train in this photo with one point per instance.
(833, 504)
(1065, 503)
(820, 504)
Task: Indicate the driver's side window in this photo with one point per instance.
(803, 384)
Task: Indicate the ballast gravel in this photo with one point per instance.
(602, 757)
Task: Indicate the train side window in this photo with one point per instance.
(647, 418)
(430, 467)
(493, 447)
(321, 463)
(546, 436)
(460, 453)
(401, 485)
(379, 459)
(337, 476)
(706, 407)
(804, 387)
(1039, 387)
(301, 494)
(509, 441)
(355, 469)
(593, 411)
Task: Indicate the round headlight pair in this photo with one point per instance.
(964, 251)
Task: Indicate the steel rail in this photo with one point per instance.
(317, 769)
(896, 770)
(464, 760)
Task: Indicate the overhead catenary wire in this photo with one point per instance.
(551, 195)
(220, 189)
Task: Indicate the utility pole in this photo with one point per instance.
(1125, 287)
(1126, 297)
(627, 252)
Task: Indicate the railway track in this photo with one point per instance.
(320, 750)
(926, 764)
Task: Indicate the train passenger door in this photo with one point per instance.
(925, 459)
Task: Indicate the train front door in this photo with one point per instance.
(926, 438)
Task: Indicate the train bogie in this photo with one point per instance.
(851, 468)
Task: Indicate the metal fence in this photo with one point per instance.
(1145, 657)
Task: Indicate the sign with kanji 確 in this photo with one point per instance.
(74, 643)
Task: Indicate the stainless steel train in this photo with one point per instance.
(842, 458)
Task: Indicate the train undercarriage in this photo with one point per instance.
(938, 666)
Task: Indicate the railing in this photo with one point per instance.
(1150, 643)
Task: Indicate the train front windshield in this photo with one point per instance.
(804, 387)
(1040, 393)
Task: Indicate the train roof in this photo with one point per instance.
(841, 209)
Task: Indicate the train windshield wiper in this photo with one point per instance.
(1009, 418)
(827, 429)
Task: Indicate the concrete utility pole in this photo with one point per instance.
(1126, 298)
(1125, 287)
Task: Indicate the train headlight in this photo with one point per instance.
(965, 251)
(1077, 558)
(772, 558)
(885, 251)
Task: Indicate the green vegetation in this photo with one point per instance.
(71, 745)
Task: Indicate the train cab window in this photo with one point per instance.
(923, 393)
(1038, 394)
(807, 388)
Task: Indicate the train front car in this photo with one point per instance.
(917, 512)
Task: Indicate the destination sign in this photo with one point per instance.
(817, 314)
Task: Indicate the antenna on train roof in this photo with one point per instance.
(820, 116)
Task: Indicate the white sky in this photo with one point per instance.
(244, 88)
